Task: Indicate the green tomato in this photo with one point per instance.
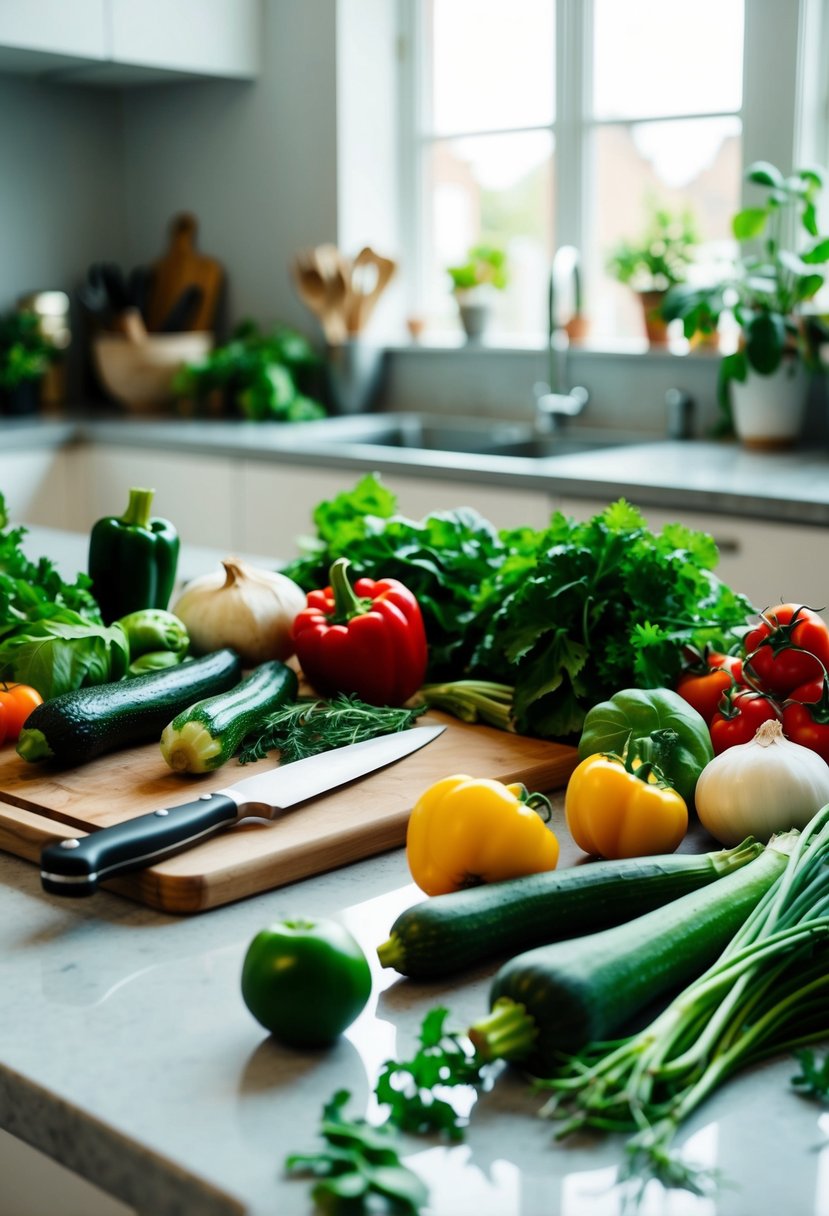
(305, 981)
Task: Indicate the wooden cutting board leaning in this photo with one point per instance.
(38, 805)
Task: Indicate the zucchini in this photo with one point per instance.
(448, 933)
(208, 733)
(551, 1001)
(79, 725)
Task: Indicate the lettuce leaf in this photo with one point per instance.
(64, 653)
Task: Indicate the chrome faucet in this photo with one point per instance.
(554, 403)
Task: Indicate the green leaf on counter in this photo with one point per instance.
(813, 1078)
(357, 1165)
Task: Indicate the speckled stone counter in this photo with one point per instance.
(700, 475)
(127, 1054)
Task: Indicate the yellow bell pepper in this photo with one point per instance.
(465, 831)
(619, 806)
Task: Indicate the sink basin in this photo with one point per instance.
(471, 436)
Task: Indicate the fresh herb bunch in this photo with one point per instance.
(661, 256)
(566, 615)
(258, 375)
(307, 727)
(443, 559)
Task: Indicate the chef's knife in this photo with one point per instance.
(75, 866)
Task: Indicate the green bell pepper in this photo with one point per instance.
(681, 740)
(132, 559)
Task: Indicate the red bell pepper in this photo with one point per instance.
(367, 639)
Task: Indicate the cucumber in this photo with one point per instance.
(550, 1002)
(448, 933)
(87, 722)
(208, 733)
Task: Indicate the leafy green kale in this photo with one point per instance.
(443, 559)
(357, 1164)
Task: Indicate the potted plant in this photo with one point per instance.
(762, 385)
(258, 376)
(655, 262)
(473, 282)
(25, 355)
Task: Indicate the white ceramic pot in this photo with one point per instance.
(475, 310)
(769, 411)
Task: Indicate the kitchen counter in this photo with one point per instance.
(128, 1056)
(700, 475)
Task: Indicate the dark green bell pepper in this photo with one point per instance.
(681, 740)
(132, 559)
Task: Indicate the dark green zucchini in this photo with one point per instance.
(448, 933)
(87, 722)
(550, 1002)
(208, 733)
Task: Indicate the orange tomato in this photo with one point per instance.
(2, 723)
(16, 702)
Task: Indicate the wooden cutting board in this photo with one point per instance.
(38, 805)
(180, 267)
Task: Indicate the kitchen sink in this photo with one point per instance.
(471, 436)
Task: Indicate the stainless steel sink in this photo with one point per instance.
(470, 436)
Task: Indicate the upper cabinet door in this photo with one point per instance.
(40, 33)
(202, 37)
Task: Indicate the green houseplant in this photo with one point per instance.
(257, 375)
(767, 291)
(655, 262)
(25, 355)
(473, 281)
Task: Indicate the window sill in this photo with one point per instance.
(623, 348)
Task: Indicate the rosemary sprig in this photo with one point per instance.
(308, 726)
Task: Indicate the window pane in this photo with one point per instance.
(691, 165)
(498, 190)
(661, 57)
(492, 64)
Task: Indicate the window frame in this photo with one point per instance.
(788, 124)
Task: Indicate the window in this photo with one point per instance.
(532, 124)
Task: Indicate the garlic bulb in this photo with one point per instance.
(248, 609)
(761, 787)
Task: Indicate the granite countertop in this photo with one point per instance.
(702, 475)
(127, 1054)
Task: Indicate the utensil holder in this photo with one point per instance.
(354, 373)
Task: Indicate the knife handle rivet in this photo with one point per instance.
(162, 813)
(70, 844)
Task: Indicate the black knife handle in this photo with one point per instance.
(75, 866)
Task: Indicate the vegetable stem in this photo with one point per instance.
(137, 514)
(508, 1032)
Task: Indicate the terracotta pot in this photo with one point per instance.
(656, 328)
(768, 411)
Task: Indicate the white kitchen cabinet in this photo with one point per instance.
(132, 41)
(36, 487)
(36, 35)
(198, 493)
(767, 561)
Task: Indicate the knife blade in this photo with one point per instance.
(74, 866)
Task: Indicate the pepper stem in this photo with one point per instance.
(347, 604)
(137, 514)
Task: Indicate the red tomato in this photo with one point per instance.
(2, 723)
(18, 701)
(806, 717)
(789, 647)
(704, 690)
(739, 720)
(728, 662)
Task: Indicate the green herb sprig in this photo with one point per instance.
(358, 1164)
(412, 1089)
(309, 726)
(813, 1079)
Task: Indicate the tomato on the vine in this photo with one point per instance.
(806, 717)
(704, 684)
(789, 647)
(17, 702)
(739, 719)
